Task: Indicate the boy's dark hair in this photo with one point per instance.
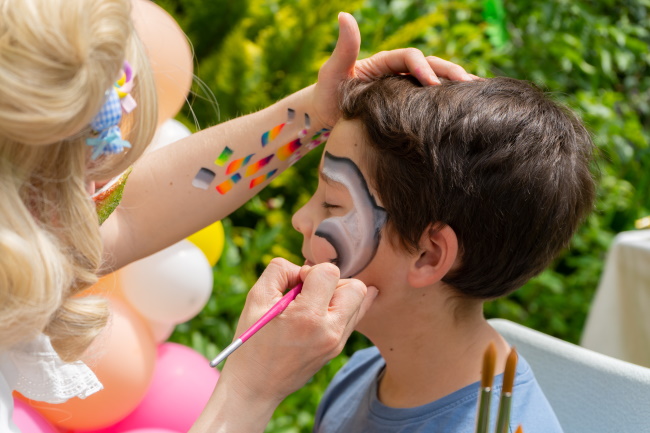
(504, 166)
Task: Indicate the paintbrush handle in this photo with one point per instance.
(483, 415)
(503, 419)
(276, 309)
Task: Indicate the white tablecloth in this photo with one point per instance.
(618, 324)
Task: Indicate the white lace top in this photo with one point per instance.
(35, 370)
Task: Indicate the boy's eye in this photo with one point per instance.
(327, 205)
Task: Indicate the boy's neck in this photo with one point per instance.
(435, 354)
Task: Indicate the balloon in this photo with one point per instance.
(123, 359)
(161, 331)
(151, 430)
(28, 420)
(169, 132)
(169, 54)
(117, 429)
(210, 240)
(180, 388)
(107, 286)
(170, 286)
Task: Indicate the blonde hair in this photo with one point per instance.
(57, 60)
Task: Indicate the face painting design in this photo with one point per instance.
(238, 163)
(224, 156)
(270, 135)
(355, 236)
(203, 178)
(261, 179)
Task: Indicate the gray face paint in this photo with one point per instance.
(355, 236)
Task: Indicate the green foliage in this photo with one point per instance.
(592, 56)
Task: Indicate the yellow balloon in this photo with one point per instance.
(210, 240)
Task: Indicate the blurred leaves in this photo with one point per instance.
(590, 56)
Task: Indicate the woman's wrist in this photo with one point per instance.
(234, 407)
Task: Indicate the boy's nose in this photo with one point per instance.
(299, 220)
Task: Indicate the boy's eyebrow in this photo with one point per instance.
(328, 180)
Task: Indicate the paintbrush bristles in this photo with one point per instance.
(489, 363)
(511, 369)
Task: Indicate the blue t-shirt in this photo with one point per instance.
(350, 404)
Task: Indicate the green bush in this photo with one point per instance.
(591, 56)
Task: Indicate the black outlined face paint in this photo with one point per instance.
(355, 236)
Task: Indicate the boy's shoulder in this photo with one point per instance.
(350, 403)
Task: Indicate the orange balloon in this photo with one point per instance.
(169, 54)
(108, 286)
(123, 358)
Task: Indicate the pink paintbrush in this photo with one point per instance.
(266, 318)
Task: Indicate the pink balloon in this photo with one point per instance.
(180, 388)
(28, 420)
(151, 430)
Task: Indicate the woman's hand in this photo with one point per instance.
(313, 329)
(290, 349)
(343, 64)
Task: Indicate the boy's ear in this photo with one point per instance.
(437, 254)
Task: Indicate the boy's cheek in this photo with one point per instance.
(321, 250)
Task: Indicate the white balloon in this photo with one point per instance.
(169, 132)
(161, 331)
(170, 286)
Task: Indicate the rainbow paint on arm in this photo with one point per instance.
(109, 196)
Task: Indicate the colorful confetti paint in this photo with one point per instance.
(223, 158)
(238, 163)
(254, 168)
(305, 131)
(270, 135)
(295, 157)
(288, 149)
(227, 185)
(319, 138)
(203, 178)
(260, 179)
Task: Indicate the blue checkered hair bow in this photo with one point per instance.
(109, 140)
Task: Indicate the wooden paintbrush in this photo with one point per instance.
(505, 402)
(485, 392)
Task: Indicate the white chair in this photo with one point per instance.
(589, 392)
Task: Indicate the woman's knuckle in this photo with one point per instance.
(413, 52)
(331, 341)
(458, 69)
(278, 262)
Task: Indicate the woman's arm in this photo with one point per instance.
(160, 205)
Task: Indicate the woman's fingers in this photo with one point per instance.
(446, 69)
(403, 60)
(278, 276)
(320, 282)
(350, 302)
(411, 60)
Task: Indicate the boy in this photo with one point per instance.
(442, 198)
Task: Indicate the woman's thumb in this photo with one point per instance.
(347, 48)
